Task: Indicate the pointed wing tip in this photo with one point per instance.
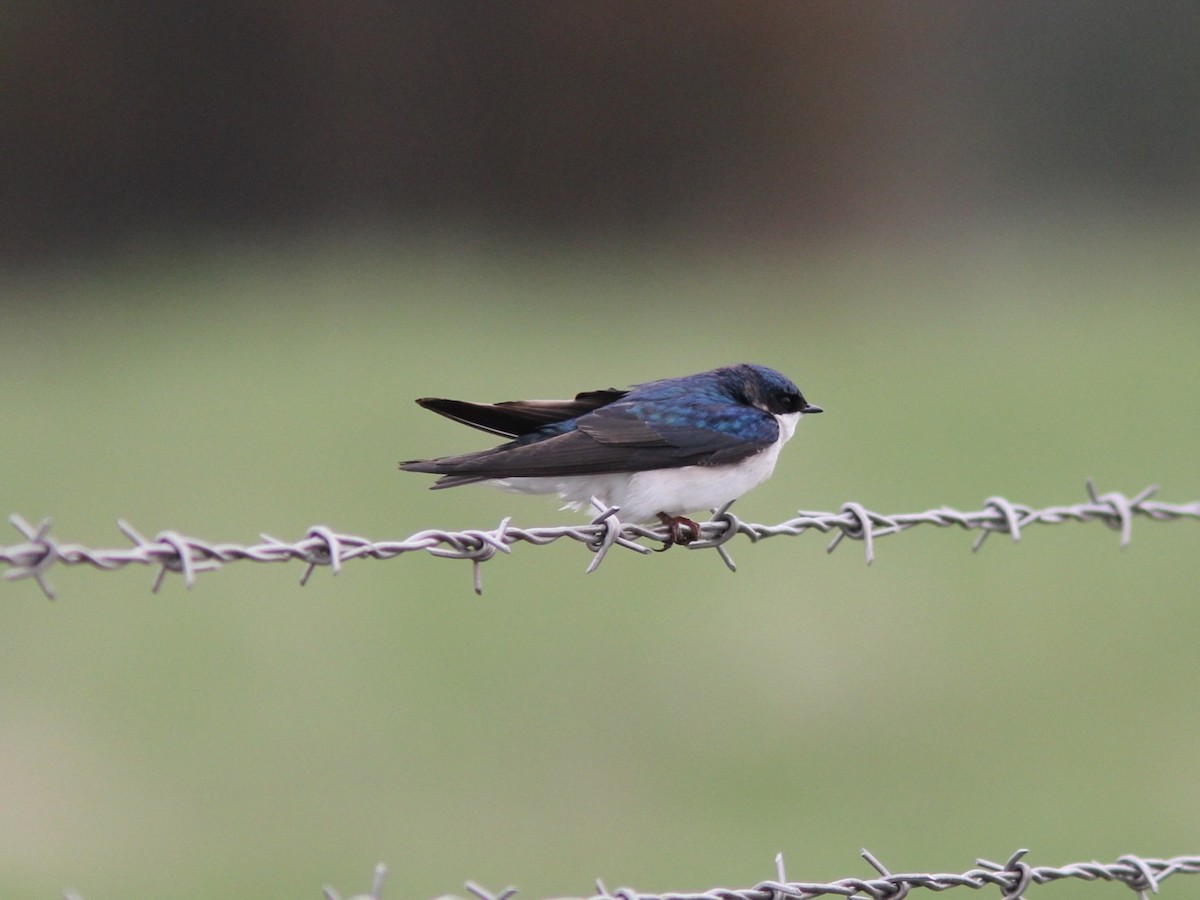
(434, 467)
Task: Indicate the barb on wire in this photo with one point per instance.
(175, 553)
(1013, 877)
(376, 887)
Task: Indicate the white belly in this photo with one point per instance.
(642, 495)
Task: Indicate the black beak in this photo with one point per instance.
(808, 409)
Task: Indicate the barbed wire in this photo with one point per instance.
(1013, 877)
(173, 552)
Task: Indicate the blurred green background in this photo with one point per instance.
(986, 271)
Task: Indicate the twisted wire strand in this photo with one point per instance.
(176, 553)
(1013, 877)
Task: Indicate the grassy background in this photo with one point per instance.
(661, 723)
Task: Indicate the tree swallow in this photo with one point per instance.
(656, 450)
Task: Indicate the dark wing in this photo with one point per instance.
(612, 439)
(514, 418)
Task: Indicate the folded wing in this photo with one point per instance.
(613, 438)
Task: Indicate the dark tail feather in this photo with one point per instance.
(514, 418)
(484, 416)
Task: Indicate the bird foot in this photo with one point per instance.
(676, 533)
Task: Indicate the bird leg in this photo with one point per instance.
(676, 534)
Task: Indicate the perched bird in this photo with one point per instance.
(656, 450)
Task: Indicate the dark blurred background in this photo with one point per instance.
(735, 120)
